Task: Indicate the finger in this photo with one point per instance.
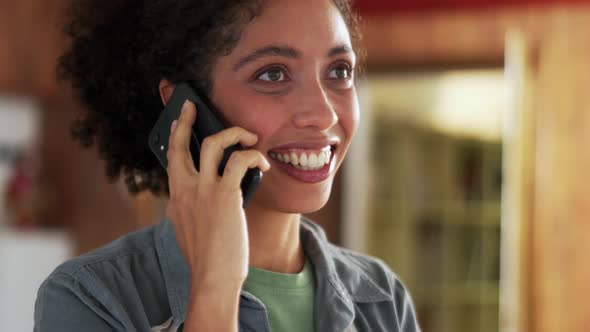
(179, 158)
(239, 162)
(213, 147)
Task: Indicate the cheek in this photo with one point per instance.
(254, 112)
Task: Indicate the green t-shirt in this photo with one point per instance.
(288, 298)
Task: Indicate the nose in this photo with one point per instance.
(315, 109)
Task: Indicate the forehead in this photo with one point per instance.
(311, 26)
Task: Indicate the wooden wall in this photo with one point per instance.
(29, 45)
(549, 280)
(393, 7)
(561, 291)
(95, 210)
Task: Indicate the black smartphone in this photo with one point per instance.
(205, 125)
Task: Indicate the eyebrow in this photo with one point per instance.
(285, 51)
(340, 49)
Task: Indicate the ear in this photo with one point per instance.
(166, 89)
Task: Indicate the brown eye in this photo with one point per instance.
(341, 72)
(272, 75)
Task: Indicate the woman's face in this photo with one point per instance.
(290, 81)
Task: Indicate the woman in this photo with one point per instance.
(281, 75)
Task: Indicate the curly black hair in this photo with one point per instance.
(119, 51)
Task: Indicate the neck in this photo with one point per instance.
(274, 240)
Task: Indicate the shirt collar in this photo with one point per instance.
(339, 266)
(339, 281)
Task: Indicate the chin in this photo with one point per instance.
(307, 205)
(307, 199)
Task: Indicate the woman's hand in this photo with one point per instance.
(206, 209)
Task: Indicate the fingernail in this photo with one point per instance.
(185, 106)
(174, 124)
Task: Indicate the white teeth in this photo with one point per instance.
(321, 159)
(294, 159)
(313, 160)
(303, 160)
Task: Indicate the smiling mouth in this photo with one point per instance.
(304, 159)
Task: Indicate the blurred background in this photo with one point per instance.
(468, 175)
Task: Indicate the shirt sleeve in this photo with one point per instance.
(64, 304)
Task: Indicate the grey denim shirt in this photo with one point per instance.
(141, 283)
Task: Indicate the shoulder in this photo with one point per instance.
(115, 255)
(107, 282)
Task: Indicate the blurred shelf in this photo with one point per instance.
(482, 213)
(436, 213)
(471, 293)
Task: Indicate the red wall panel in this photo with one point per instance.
(396, 6)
